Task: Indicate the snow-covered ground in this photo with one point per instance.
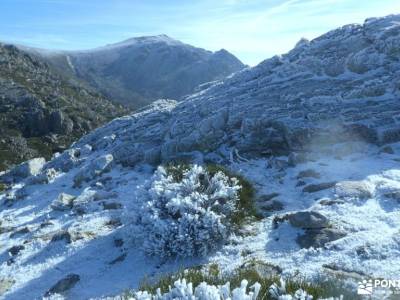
(93, 249)
(372, 244)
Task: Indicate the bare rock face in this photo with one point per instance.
(304, 100)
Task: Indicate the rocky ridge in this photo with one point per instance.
(140, 70)
(304, 100)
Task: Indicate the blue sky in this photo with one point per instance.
(252, 30)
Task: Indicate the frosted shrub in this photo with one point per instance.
(189, 214)
(184, 291)
(203, 291)
(278, 292)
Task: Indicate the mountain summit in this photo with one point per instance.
(140, 70)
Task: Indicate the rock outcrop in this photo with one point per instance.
(42, 111)
(317, 230)
(64, 284)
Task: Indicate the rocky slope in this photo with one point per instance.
(308, 98)
(42, 112)
(315, 131)
(138, 71)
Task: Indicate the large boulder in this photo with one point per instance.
(308, 220)
(354, 189)
(317, 187)
(24, 170)
(317, 229)
(63, 202)
(64, 285)
(318, 237)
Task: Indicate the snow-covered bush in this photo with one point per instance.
(203, 291)
(278, 292)
(184, 291)
(188, 211)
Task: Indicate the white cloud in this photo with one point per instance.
(251, 29)
(265, 30)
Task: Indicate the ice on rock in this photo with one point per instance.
(354, 189)
(29, 168)
(63, 202)
(95, 168)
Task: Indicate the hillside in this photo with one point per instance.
(293, 163)
(40, 111)
(140, 70)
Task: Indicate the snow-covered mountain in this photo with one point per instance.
(316, 132)
(140, 70)
(342, 86)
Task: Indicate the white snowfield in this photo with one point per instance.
(315, 131)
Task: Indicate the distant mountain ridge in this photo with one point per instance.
(137, 71)
(42, 112)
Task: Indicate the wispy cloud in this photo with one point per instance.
(253, 30)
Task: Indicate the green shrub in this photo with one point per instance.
(3, 187)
